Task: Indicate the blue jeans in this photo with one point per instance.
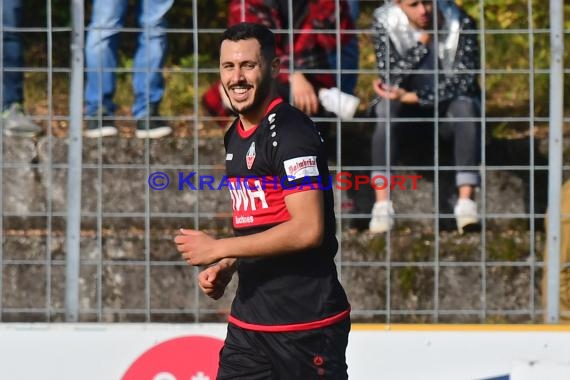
(349, 55)
(12, 81)
(354, 8)
(348, 61)
(101, 55)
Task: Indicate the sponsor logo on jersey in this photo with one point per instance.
(247, 196)
(257, 201)
(300, 167)
(243, 220)
(250, 155)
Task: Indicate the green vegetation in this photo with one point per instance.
(508, 90)
(508, 49)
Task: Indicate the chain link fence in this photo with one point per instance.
(85, 238)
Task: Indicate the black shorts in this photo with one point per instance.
(312, 354)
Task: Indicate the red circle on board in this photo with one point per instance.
(184, 358)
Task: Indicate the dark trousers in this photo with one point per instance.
(313, 354)
(465, 135)
(12, 81)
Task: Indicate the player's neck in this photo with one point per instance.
(247, 121)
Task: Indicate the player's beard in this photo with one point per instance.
(262, 90)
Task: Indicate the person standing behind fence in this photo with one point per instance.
(404, 41)
(14, 121)
(349, 53)
(101, 57)
(290, 317)
(309, 87)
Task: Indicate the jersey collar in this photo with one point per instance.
(245, 134)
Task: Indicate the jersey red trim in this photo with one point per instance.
(273, 103)
(292, 327)
(245, 134)
(299, 189)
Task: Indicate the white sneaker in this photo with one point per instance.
(103, 131)
(154, 132)
(338, 102)
(100, 124)
(465, 214)
(382, 217)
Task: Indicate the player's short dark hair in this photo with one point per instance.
(248, 30)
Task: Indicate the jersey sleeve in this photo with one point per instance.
(297, 152)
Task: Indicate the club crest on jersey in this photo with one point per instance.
(250, 155)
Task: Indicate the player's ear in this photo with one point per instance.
(275, 65)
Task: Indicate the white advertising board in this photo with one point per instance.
(189, 352)
(453, 352)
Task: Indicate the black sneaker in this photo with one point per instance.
(100, 126)
(152, 127)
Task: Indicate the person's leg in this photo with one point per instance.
(14, 120)
(354, 8)
(148, 82)
(467, 150)
(383, 153)
(390, 132)
(12, 81)
(312, 354)
(349, 58)
(349, 54)
(467, 139)
(101, 55)
(385, 144)
(241, 357)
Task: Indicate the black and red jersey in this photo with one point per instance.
(281, 155)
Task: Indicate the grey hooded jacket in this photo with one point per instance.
(398, 53)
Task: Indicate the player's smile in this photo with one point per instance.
(245, 76)
(240, 92)
(241, 70)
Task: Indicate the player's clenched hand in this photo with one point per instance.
(196, 247)
(214, 280)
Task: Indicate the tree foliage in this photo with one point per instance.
(515, 40)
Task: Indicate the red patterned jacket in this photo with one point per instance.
(314, 23)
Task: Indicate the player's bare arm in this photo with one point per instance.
(302, 231)
(303, 94)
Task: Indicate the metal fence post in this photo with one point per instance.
(555, 158)
(74, 164)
